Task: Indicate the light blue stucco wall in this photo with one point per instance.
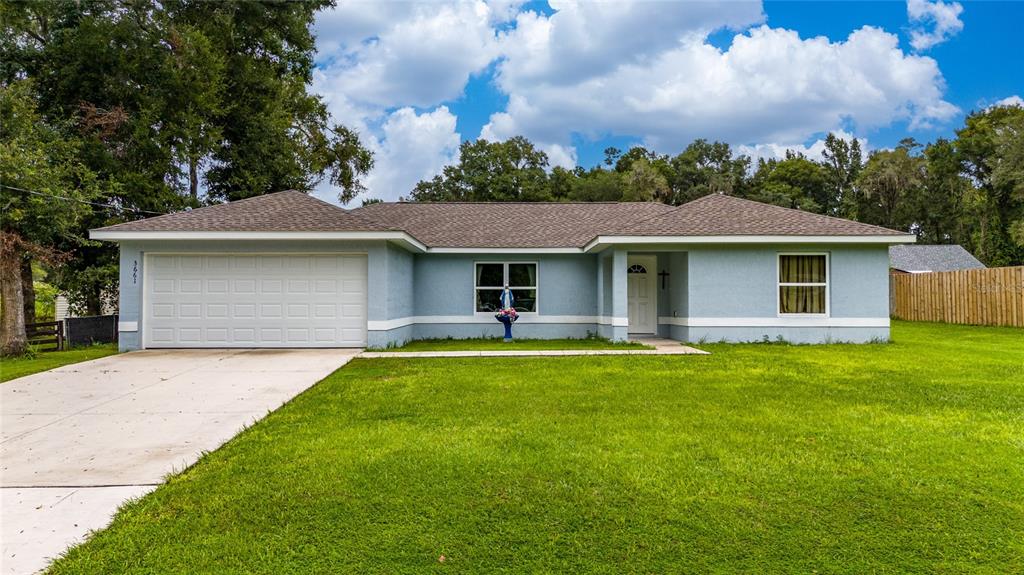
(444, 290)
(444, 283)
(130, 296)
(580, 294)
(740, 282)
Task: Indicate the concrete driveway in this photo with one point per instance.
(78, 441)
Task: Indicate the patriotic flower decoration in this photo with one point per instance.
(509, 313)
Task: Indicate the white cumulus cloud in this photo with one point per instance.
(1014, 100)
(933, 22)
(408, 147)
(642, 70)
(813, 150)
(769, 86)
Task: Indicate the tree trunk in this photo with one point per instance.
(193, 178)
(13, 340)
(28, 290)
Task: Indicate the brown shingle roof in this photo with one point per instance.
(509, 225)
(289, 211)
(721, 215)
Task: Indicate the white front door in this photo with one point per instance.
(255, 300)
(641, 293)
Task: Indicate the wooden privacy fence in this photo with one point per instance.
(993, 296)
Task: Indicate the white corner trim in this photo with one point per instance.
(794, 321)
(642, 240)
(127, 326)
(386, 325)
(115, 235)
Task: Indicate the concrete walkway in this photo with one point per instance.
(661, 347)
(78, 441)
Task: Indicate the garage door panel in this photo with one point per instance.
(243, 263)
(270, 311)
(227, 300)
(216, 286)
(217, 263)
(163, 286)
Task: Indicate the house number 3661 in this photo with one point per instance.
(135, 272)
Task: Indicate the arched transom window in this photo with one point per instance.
(637, 269)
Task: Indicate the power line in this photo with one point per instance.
(97, 204)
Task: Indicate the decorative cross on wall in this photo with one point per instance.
(664, 276)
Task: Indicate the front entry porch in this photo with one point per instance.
(642, 294)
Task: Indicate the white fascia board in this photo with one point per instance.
(793, 321)
(601, 241)
(116, 235)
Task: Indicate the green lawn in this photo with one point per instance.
(491, 344)
(906, 457)
(11, 368)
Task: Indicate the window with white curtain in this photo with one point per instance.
(803, 284)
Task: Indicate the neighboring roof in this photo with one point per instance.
(944, 258)
(721, 215)
(289, 211)
(513, 225)
(509, 225)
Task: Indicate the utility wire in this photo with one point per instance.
(99, 204)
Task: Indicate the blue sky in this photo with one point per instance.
(417, 79)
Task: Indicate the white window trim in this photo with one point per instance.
(505, 264)
(780, 284)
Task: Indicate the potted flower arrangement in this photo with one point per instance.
(507, 314)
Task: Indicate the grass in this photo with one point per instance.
(492, 344)
(11, 368)
(881, 458)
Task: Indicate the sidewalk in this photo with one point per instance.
(661, 347)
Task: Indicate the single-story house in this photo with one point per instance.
(924, 259)
(288, 270)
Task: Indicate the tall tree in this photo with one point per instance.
(642, 182)
(509, 171)
(274, 134)
(794, 182)
(888, 180)
(988, 146)
(171, 97)
(43, 193)
(597, 185)
(706, 168)
(940, 206)
(1008, 174)
(843, 162)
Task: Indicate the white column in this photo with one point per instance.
(620, 302)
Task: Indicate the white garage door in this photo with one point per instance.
(255, 300)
